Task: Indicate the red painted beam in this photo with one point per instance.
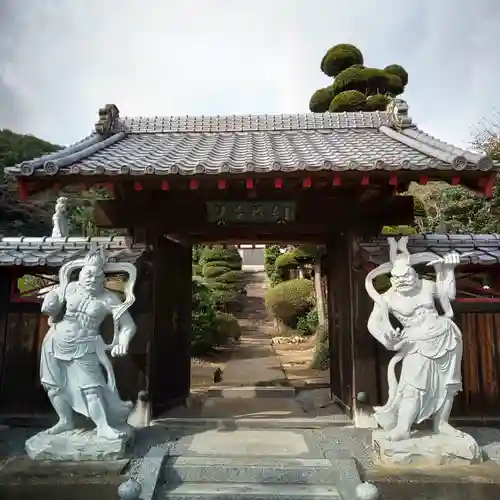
(307, 182)
(455, 180)
(393, 179)
(424, 179)
(249, 183)
(278, 183)
(193, 184)
(488, 183)
(23, 190)
(478, 300)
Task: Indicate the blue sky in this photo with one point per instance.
(61, 60)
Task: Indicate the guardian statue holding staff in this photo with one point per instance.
(428, 344)
(75, 369)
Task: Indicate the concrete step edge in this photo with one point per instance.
(246, 461)
(250, 392)
(234, 491)
(257, 423)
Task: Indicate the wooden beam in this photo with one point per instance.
(23, 190)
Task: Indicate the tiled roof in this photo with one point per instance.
(485, 248)
(261, 143)
(54, 252)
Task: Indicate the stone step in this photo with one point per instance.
(319, 422)
(249, 392)
(259, 470)
(247, 491)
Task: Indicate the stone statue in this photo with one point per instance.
(428, 344)
(60, 224)
(74, 358)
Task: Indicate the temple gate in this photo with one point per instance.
(332, 179)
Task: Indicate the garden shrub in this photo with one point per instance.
(308, 323)
(221, 268)
(203, 323)
(211, 272)
(227, 327)
(271, 253)
(286, 260)
(321, 358)
(288, 300)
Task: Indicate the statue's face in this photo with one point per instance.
(61, 206)
(91, 278)
(403, 277)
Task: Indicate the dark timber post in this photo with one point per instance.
(5, 281)
(338, 261)
(170, 366)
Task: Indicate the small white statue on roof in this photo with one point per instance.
(60, 223)
(428, 343)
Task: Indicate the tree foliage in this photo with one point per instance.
(22, 218)
(356, 87)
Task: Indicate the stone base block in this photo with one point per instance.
(78, 445)
(427, 449)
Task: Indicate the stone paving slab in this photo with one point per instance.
(247, 443)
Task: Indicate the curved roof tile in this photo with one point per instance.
(261, 143)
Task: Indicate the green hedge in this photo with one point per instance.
(203, 327)
(288, 300)
(321, 358)
(227, 327)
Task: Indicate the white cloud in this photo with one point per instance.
(61, 60)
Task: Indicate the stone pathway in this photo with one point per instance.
(253, 361)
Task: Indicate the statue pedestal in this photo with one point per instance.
(427, 449)
(78, 445)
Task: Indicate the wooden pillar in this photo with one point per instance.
(338, 263)
(169, 351)
(5, 280)
(365, 349)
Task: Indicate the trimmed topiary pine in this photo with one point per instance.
(345, 63)
(350, 100)
(320, 100)
(377, 102)
(340, 57)
(221, 269)
(396, 69)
